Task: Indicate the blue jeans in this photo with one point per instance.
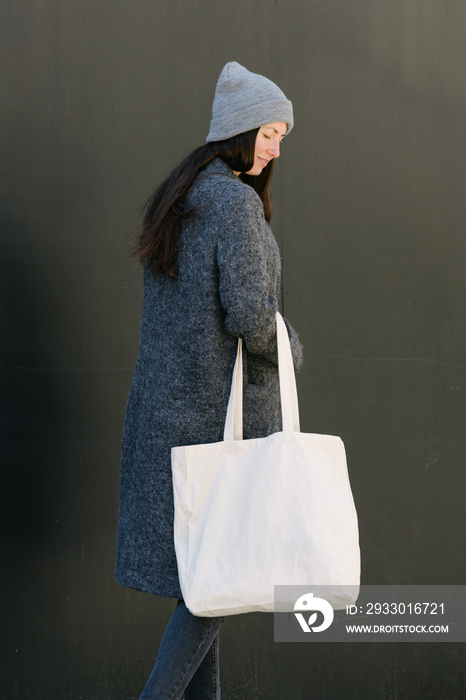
(187, 660)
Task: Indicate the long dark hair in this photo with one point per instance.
(156, 245)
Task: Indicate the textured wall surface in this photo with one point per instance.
(98, 101)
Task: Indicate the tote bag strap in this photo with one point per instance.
(288, 392)
(234, 420)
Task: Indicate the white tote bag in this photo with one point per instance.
(252, 514)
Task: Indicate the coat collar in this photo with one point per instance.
(217, 165)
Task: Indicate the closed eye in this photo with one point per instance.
(267, 136)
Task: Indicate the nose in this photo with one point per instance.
(274, 149)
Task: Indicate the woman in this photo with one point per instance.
(211, 275)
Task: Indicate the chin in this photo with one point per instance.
(256, 170)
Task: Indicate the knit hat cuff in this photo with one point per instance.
(280, 110)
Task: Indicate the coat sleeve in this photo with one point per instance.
(247, 290)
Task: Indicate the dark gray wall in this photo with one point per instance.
(98, 101)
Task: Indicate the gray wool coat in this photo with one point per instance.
(227, 287)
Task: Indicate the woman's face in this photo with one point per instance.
(268, 141)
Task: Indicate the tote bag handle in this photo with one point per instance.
(288, 392)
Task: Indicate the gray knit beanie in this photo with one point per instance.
(245, 101)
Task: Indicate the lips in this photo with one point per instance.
(263, 161)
